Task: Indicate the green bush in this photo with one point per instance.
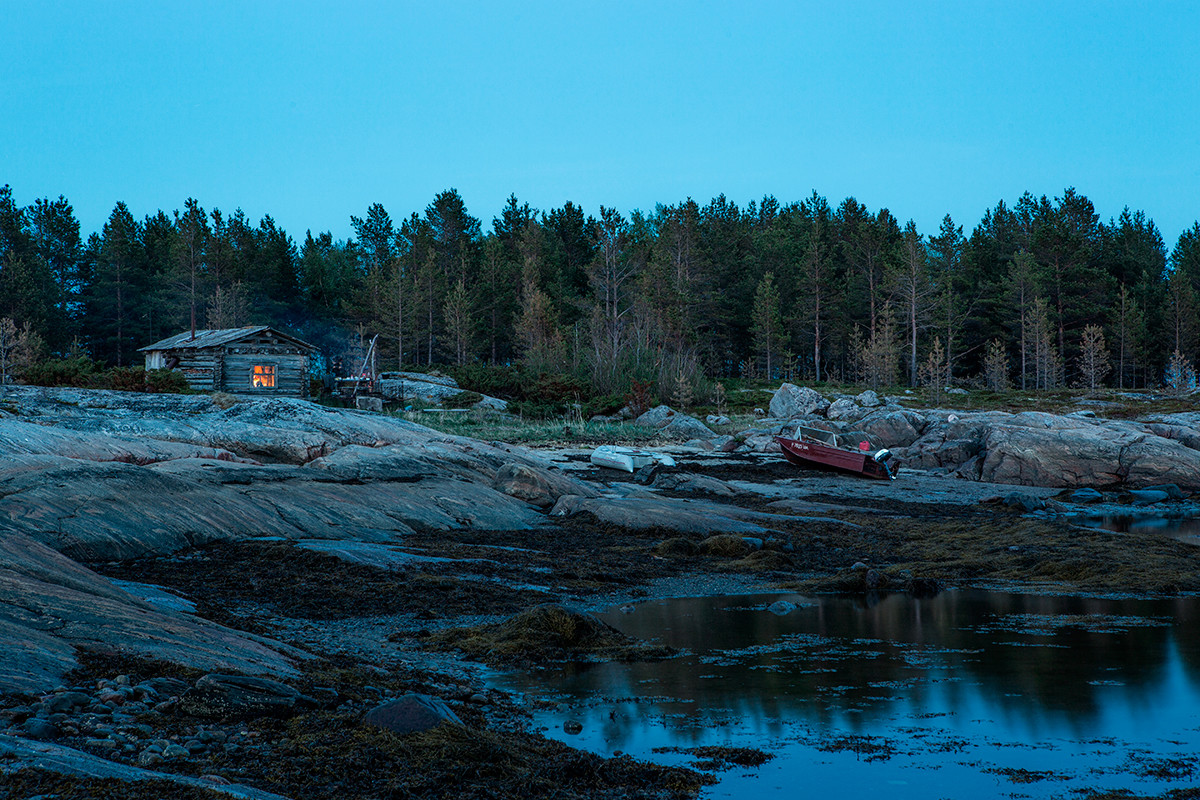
(606, 404)
(123, 379)
(465, 399)
(83, 373)
(505, 381)
(533, 396)
(77, 372)
(166, 381)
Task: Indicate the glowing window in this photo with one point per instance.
(263, 377)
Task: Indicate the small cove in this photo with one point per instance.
(971, 693)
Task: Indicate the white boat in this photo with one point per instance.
(629, 459)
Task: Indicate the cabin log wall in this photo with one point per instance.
(228, 364)
(291, 373)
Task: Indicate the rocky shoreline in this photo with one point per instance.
(230, 599)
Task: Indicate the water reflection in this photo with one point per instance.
(1184, 529)
(1002, 670)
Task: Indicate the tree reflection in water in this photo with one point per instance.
(1004, 670)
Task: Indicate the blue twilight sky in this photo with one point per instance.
(312, 111)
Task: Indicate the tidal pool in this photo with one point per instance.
(1185, 529)
(969, 694)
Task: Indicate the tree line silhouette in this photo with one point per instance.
(1042, 293)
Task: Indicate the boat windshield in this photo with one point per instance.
(850, 440)
(817, 435)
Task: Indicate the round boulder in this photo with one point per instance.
(792, 401)
(843, 408)
(412, 713)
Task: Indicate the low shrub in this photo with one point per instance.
(464, 399)
(83, 373)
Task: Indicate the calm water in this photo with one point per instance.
(947, 697)
(1185, 529)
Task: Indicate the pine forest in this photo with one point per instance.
(1040, 293)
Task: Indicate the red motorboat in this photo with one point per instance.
(850, 452)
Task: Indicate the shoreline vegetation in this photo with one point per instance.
(477, 567)
(558, 307)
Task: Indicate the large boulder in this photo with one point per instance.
(868, 399)
(791, 401)
(539, 487)
(656, 417)
(404, 386)
(892, 428)
(1085, 456)
(683, 428)
(411, 713)
(844, 409)
(1184, 434)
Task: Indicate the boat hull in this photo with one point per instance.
(628, 459)
(814, 455)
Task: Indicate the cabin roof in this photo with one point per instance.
(217, 337)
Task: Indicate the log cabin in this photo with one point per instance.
(256, 360)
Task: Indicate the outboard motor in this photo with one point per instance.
(884, 457)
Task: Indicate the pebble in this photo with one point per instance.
(101, 744)
(858, 565)
(149, 758)
(572, 727)
(175, 751)
(65, 701)
(40, 729)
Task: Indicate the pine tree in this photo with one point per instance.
(1092, 362)
(1180, 376)
(1022, 288)
(460, 322)
(540, 341)
(946, 258)
(1129, 328)
(681, 395)
(995, 367)
(913, 285)
(1048, 367)
(8, 343)
(766, 322)
(935, 371)
(817, 272)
